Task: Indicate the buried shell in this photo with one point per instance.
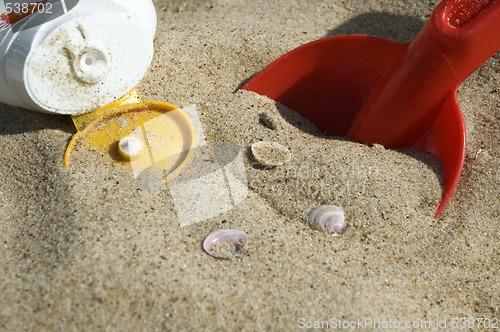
(225, 243)
(327, 218)
(270, 153)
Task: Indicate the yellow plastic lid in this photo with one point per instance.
(148, 135)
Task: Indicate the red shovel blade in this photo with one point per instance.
(446, 140)
(374, 90)
(329, 80)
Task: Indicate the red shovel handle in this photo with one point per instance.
(467, 32)
(458, 38)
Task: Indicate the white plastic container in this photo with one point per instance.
(91, 55)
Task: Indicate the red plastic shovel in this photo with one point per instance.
(373, 90)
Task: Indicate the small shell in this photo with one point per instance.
(328, 218)
(270, 153)
(225, 243)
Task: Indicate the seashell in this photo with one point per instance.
(270, 153)
(327, 218)
(225, 243)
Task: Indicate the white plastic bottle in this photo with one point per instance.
(90, 55)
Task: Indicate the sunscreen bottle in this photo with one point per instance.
(73, 56)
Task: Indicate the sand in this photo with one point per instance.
(86, 248)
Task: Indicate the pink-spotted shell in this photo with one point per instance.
(225, 243)
(327, 218)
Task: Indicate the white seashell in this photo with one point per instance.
(225, 243)
(327, 218)
(270, 153)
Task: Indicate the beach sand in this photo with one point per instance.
(86, 248)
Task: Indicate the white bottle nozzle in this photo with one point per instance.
(129, 147)
(91, 64)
